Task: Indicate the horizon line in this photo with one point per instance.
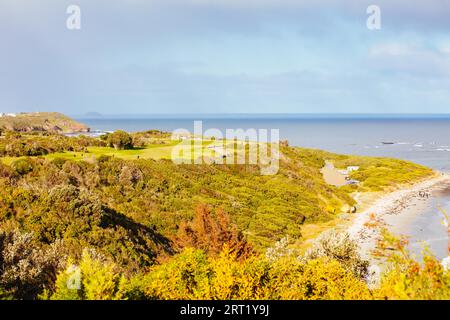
(96, 115)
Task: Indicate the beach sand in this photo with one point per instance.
(332, 176)
(395, 211)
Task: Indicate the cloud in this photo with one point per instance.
(444, 48)
(406, 59)
(224, 56)
(392, 49)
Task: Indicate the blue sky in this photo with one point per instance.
(225, 56)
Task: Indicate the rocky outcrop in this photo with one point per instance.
(41, 122)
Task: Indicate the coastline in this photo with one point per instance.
(393, 211)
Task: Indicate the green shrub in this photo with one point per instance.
(120, 140)
(22, 166)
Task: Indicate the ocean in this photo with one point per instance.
(421, 139)
(424, 141)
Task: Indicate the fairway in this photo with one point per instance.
(154, 151)
(192, 149)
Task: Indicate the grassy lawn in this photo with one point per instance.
(154, 151)
(161, 149)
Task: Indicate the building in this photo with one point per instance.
(352, 182)
(8, 115)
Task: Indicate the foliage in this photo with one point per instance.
(26, 267)
(339, 247)
(413, 281)
(161, 194)
(19, 144)
(211, 233)
(4, 295)
(279, 250)
(315, 279)
(22, 166)
(407, 279)
(187, 275)
(95, 278)
(378, 174)
(120, 140)
(192, 275)
(80, 218)
(138, 216)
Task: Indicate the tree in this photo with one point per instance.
(211, 232)
(120, 140)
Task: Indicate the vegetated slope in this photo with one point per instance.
(131, 210)
(374, 173)
(14, 144)
(41, 121)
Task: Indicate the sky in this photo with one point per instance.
(225, 56)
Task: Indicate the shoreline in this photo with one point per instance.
(393, 210)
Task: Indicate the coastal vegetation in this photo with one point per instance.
(14, 144)
(117, 219)
(375, 174)
(119, 140)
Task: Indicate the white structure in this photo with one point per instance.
(446, 263)
(8, 115)
(349, 169)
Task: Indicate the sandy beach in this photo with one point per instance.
(395, 211)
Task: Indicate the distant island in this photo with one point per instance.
(40, 122)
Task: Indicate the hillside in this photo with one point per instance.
(40, 121)
(159, 194)
(66, 199)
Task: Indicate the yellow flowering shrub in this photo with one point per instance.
(191, 275)
(407, 279)
(93, 279)
(415, 281)
(316, 279)
(186, 276)
(235, 279)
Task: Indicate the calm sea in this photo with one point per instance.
(424, 140)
